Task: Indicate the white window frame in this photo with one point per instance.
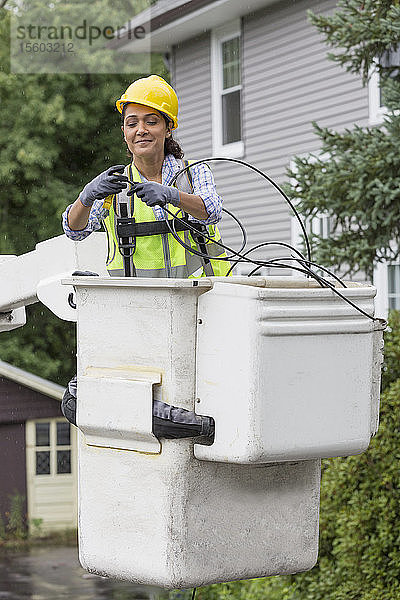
(316, 224)
(52, 448)
(376, 111)
(218, 36)
(381, 282)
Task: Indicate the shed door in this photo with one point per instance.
(51, 474)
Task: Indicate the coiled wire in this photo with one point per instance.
(304, 265)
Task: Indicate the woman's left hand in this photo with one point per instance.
(153, 193)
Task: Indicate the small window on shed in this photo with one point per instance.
(43, 462)
(42, 434)
(52, 448)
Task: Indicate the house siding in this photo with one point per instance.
(192, 80)
(17, 404)
(12, 466)
(287, 83)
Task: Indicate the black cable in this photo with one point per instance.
(304, 271)
(194, 593)
(326, 271)
(266, 264)
(259, 265)
(244, 233)
(275, 185)
(327, 284)
(271, 181)
(243, 257)
(301, 260)
(265, 244)
(171, 227)
(318, 278)
(291, 258)
(202, 254)
(336, 291)
(332, 287)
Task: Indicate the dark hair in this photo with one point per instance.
(171, 146)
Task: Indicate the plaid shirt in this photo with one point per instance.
(203, 186)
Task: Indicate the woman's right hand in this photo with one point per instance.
(111, 181)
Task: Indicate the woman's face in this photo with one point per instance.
(144, 130)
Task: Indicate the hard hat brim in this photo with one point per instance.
(120, 105)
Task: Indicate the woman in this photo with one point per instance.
(149, 109)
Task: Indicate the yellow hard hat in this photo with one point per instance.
(152, 91)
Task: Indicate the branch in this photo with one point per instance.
(3, 3)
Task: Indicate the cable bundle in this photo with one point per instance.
(304, 264)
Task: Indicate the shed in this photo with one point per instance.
(38, 451)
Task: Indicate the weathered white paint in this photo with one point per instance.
(21, 275)
(168, 518)
(129, 425)
(11, 319)
(287, 374)
(54, 295)
(171, 519)
(174, 521)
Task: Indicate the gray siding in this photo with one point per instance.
(287, 83)
(192, 80)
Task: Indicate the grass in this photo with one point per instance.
(66, 537)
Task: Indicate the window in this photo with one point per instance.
(52, 448)
(387, 283)
(377, 110)
(393, 288)
(227, 90)
(319, 225)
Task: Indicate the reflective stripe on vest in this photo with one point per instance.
(160, 255)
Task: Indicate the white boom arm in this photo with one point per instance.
(35, 276)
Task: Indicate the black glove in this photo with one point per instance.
(109, 182)
(153, 193)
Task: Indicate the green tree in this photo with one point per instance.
(57, 132)
(356, 178)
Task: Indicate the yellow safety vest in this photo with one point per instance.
(161, 255)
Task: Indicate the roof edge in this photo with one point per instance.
(161, 20)
(34, 382)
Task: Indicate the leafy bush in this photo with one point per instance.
(16, 525)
